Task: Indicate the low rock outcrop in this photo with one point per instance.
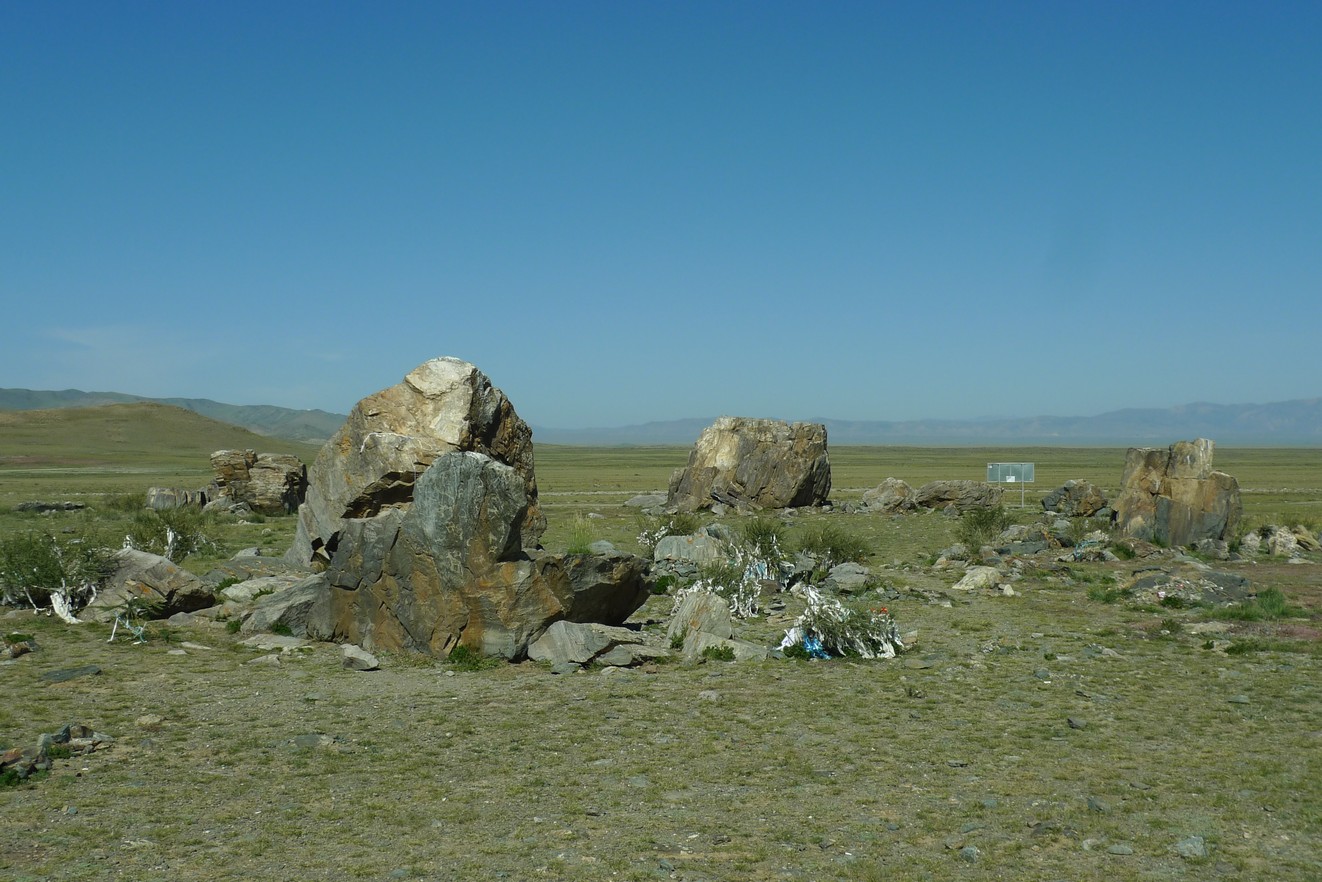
(152, 581)
(1172, 496)
(754, 463)
(391, 438)
(961, 496)
(1075, 499)
(268, 483)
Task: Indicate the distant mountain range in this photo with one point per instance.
(263, 419)
(1295, 423)
(1283, 424)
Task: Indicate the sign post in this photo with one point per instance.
(1020, 473)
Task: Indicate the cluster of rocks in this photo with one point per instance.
(245, 481)
(1279, 541)
(73, 739)
(894, 496)
(38, 507)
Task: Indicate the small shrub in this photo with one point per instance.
(580, 536)
(233, 626)
(980, 526)
(1268, 605)
(283, 629)
(1102, 594)
(173, 533)
(1122, 550)
(718, 653)
(463, 658)
(227, 582)
(832, 545)
(1174, 601)
(652, 530)
(663, 584)
(797, 651)
(764, 536)
(830, 628)
(677, 642)
(35, 565)
(1174, 626)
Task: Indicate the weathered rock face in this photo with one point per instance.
(153, 579)
(1076, 499)
(961, 496)
(759, 463)
(454, 568)
(270, 483)
(1172, 495)
(390, 438)
(165, 498)
(889, 497)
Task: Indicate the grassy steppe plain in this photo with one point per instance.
(778, 770)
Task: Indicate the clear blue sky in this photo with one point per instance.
(634, 211)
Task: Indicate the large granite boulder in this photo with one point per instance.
(269, 483)
(152, 581)
(454, 567)
(1172, 496)
(756, 463)
(961, 496)
(391, 437)
(1075, 499)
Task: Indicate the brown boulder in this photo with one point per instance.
(756, 463)
(1173, 496)
(453, 569)
(890, 496)
(1075, 499)
(269, 483)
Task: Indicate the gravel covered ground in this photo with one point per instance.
(1042, 736)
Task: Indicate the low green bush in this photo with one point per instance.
(832, 544)
(981, 526)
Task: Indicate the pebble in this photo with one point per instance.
(1191, 847)
(1120, 848)
(709, 695)
(1076, 723)
(1096, 805)
(1238, 699)
(969, 853)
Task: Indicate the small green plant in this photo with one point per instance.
(580, 536)
(797, 651)
(832, 545)
(227, 582)
(764, 536)
(718, 653)
(127, 502)
(980, 526)
(1122, 550)
(652, 530)
(1105, 594)
(1174, 601)
(464, 658)
(1172, 626)
(1268, 605)
(282, 629)
(173, 533)
(663, 584)
(33, 566)
(233, 625)
(676, 642)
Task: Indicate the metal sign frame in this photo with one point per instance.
(1020, 473)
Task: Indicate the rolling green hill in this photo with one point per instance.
(126, 435)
